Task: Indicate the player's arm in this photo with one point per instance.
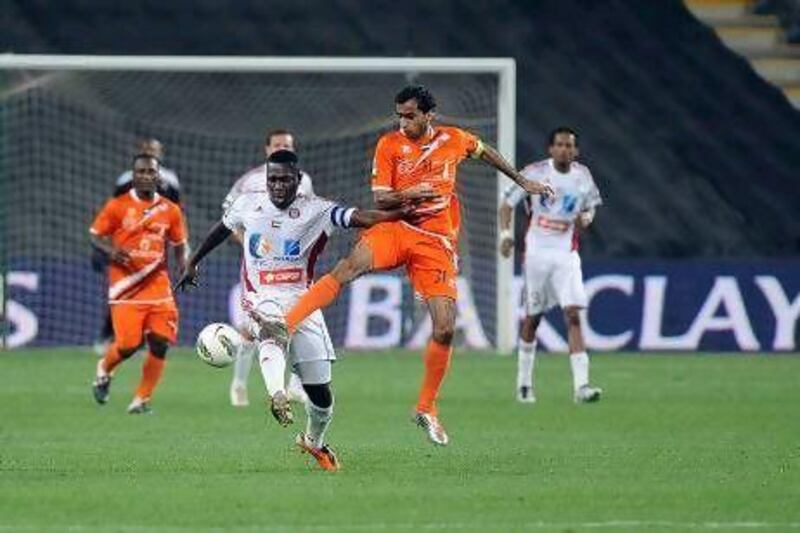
(492, 157)
(216, 236)
(511, 198)
(352, 217)
(384, 195)
(585, 218)
(103, 226)
(366, 218)
(392, 200)
(106, 245)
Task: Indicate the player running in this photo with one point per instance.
(416, 162)
(168, 186)
(255, 180)
(134, 230)
(552, 265)
(283, 234)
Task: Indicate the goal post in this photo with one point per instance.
(217, 67)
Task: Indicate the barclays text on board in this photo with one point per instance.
(634, 305)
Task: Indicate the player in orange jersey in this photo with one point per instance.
(417, 163)
(134, 230)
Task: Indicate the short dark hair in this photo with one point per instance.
(559, 130)
(425, 99)
(145, 156)
(283, 157)
(275, 133)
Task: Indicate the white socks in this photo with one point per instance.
(244, 360)
(272, 361)
(580, 369)
(318, 421)
(526, 356)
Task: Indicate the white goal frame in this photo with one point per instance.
(504, 68)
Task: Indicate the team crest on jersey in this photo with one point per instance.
(294, 212)
(258, 246)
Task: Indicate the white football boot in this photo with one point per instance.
(587, 394)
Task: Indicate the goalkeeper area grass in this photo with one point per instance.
(678, 442)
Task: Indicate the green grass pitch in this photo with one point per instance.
(679, 442)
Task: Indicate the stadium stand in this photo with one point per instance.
(650, 115)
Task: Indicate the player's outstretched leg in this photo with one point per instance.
(272, 361)
(437, 360)
(241, 370)
(319, 409)
(579, 359)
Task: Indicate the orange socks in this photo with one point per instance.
(112, 358)
(437, 359)
(151, 374)
(321, 294)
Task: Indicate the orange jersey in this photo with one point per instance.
(143, 229)
(401, 163)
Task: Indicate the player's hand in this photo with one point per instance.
(584, 219)
(188, 278)
(506, 247)
(420, 193)
(535, 187)
(118, 255)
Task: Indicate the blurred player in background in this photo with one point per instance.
(552, 265)
(417, 162)
(134, 231)
(168, 187)
(283, 234)
(255, 181)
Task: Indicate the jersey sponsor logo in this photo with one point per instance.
(258, 246)
(554, 225)
(291, 248)
(277, 277)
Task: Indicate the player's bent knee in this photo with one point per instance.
(529, 326)
(443, 333)
(319, 394)
(126, 351)
(158, 346)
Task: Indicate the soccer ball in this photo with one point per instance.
(218, 344)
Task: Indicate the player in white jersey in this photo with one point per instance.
(552, 265)
(282, 235)
(255, 180)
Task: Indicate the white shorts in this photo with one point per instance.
(553, 277)
(310, 342)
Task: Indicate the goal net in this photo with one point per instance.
(68, 129)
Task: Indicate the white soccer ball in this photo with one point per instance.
(218, 344)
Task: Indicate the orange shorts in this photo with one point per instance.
(132, 321)
(430, 259)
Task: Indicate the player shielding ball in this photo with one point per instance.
(552, 265)
(283, 233)
(417, 162)
(134, 230)
(255, 180)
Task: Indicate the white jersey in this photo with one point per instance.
(281, 246)
(255, 180)
(168, 176)
(552, 224)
